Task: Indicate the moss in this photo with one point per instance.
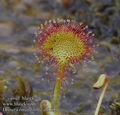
(115, 40)
(115, 80)
(80, 108)
(115, 104)
(102, 111)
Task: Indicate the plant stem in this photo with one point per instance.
(59, 77)
(101, 98)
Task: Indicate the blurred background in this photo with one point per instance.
(18, 65)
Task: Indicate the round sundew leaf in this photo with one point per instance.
(66, 46)
(64, 41)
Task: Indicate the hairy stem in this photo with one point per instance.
(59, 77)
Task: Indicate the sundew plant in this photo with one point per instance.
(64, 42)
